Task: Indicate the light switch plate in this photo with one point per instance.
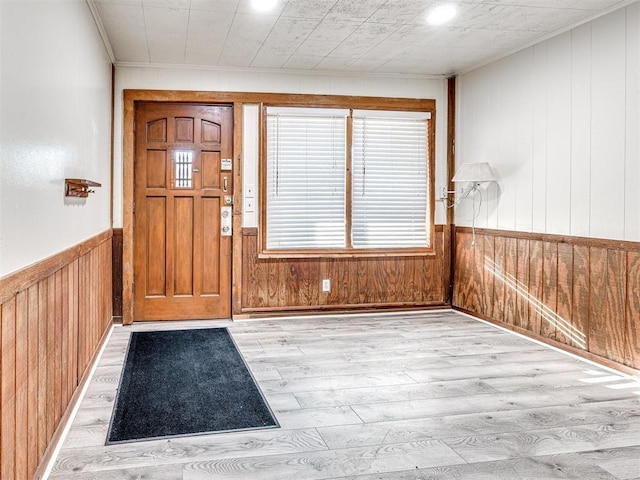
(249, 205)
(250, 191)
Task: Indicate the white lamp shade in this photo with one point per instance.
(474, 172)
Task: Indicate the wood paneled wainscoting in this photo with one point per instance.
(54, 316)
(116, 284)
(291, 284)
(577, 293)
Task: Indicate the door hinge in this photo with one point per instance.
(134, 207)
(134, 125)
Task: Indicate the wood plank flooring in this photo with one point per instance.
(433, 395)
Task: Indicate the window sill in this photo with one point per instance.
(369, 253)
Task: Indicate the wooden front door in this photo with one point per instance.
(182, 211)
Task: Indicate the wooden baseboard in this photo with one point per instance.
(266, 313)
(605, 362)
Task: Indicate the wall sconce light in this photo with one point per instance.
(475, 174)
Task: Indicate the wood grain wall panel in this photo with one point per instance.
(581, 299)
(462, 272)
(363, 294)
(608, 295)
(8, 428)
(535, 287)
(411, 278)
(49, 357)
(281, 284)
(632, 323)
(279, 296)
(64, 341)
(116, 284)
(437, 281)
(576, 292)
(50, 330)
(565, 331)
(522, 284)
(458, 290)
(43, 289)
(310, 288)
(487, 267)
(500, 278)
(510, 275)
(22, 356)
(477, 272)
(75, 321)
(57, 351)
(598, 299)
(83, 308)
(467, 277)
(33, 455)
(447, 253)
(548, 300)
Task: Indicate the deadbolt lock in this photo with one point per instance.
(225, 224)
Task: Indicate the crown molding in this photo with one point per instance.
(307, 73)
(100, 26)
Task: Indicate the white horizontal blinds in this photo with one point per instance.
(390, 180)
(305, 185)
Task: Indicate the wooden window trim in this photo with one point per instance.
(351, 103)
(349, 184)
(353, 253)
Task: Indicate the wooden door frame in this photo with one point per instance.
(130, 98)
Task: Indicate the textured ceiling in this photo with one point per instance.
(381, 36)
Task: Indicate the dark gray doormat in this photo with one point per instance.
(185, 382)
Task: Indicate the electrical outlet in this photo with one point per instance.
(444, 193)
(326, 285)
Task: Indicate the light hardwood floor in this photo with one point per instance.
(434, 395)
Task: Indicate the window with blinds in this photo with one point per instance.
(305, 184)
(307, 179)
(390, 180)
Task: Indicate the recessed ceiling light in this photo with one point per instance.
(263, 5)
(441, 15)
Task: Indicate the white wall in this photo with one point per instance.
(55, 114)
(270, 82)
(560, 123)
